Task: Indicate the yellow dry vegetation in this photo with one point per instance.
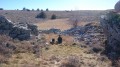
(55, 55)
(62, 52)
(61, 24)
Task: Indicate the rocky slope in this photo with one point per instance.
(21, 31)
(29, 16)
(111, 26)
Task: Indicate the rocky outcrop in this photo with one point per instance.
(21, 31)
(111, 26)
(90, 34)
(33, 29)
(5, 25)
(117, 6)
(75, 31)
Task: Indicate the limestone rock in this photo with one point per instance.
(75, 31)
(117, 6)
(21, 31)
(5, 27)
(33, 29)
(112, 30)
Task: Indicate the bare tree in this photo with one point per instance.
(74, 20)
(75, 23)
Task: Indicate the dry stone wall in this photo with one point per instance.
(19, 31)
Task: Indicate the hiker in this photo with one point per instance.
(52, 41)
(59, 40)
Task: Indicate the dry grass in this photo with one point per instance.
(72, 61)
(86, 60)
(62, 24)
(29, 16)
(23, 60)
(61, 51)
(9, 47)
(56, 56)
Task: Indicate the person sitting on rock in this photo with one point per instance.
(52, 41)
(59, 40)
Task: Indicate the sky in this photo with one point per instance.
(58, 4)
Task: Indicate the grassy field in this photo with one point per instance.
(69, 52)
(62, 24)
(56, 55)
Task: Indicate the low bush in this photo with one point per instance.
(53, 17)
(41, 15)
(9, 46)
(96, 49)
(1, 8)
(72, 61)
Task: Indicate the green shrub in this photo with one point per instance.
(24, 9)
(38, 9)
(1, 8)
(53, 16)
(41, 15)
(47, 9)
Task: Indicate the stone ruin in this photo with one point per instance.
(90, 34)
(20, 31)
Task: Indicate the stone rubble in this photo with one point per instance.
(89, 33)
(21, 31)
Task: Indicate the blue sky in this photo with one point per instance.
(58, 4)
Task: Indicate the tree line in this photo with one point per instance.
(26, 9)
(43, 15)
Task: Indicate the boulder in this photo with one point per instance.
(5, 25)
(33, 29)
(117, 6)
(21, 31)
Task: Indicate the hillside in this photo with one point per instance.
(81, 47)
(29, 16)
(58, 56)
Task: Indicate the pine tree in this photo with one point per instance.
(47, 9)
